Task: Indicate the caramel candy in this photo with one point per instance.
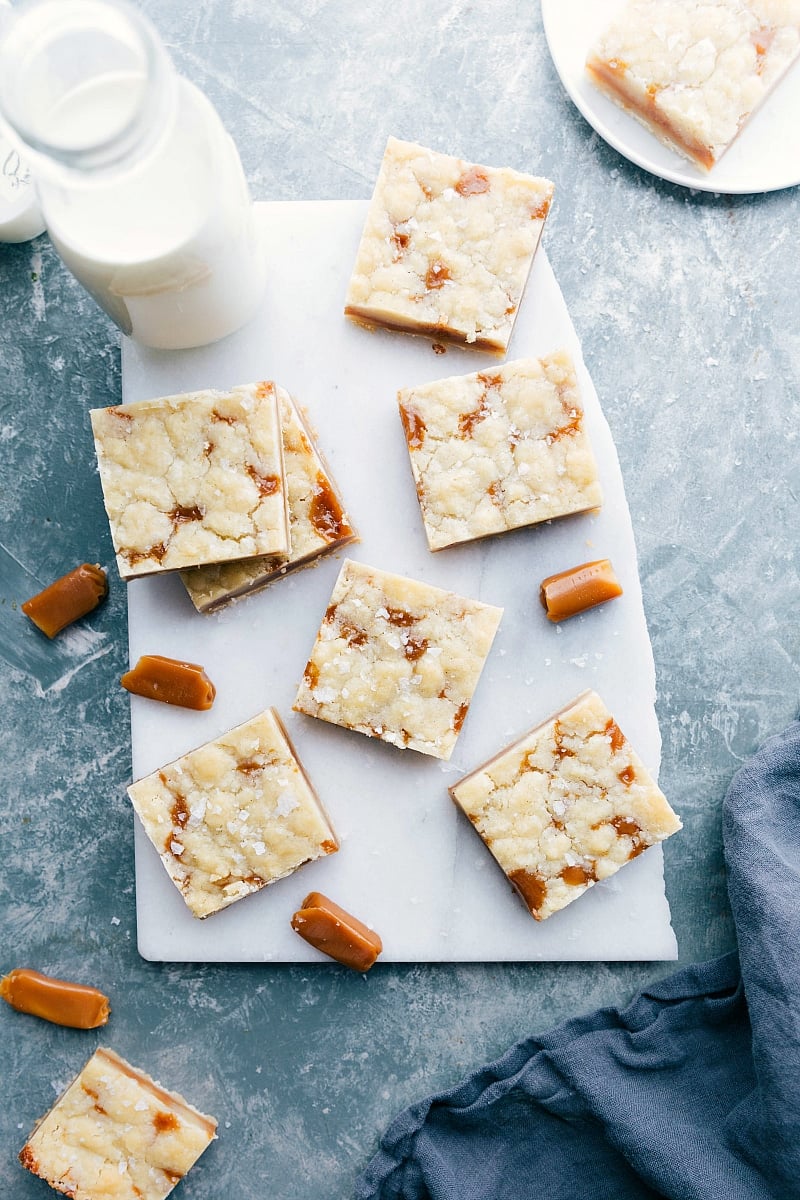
(323, 924)
(68, 598)
(578, 589)
(56, 1000)
(170, 681)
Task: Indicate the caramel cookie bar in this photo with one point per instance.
(116, 1132)
(447, 247)
(500, 449)
(318, 522)
(694, 71)
(397, 659)
(193, 478)
(234, 815)
(565, 806)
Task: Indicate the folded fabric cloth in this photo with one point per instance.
(691, 1091)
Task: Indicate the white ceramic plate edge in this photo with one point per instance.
(764, 158)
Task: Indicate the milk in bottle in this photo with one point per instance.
(141, 186)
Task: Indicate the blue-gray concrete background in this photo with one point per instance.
(687, 306)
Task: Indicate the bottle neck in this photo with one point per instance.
(85, 85)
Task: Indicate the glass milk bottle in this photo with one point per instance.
(141, 187)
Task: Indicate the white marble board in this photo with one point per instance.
(409, 864)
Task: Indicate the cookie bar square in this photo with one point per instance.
(694, 72)
(498, 450)
(193, 478)
(447, 247)
(397, 659)
(116, 1132)
(234, 815)
(318, 523)
(565, 806)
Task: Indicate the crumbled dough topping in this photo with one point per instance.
(397, 659)
(501, 449)
(447, 246)
(193, 478)
(693, 71)
(567, 805)
(234, 815)
(116, 1133)
(318, 522)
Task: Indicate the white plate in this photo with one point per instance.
(764, 157)
(409, 865)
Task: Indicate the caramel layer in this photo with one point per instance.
(613, 84)
(494, 346)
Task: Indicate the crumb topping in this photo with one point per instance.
(491, 452)
(397, 659)
(695, 71)
(566, 806)
(115, 1132)
(233, 816)
(447, 246)
(193, 478)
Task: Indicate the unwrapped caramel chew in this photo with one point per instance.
(56, 1000)
(170, 681)
(67, 599)
(334, 931)
(578, 589)
(115, 1132)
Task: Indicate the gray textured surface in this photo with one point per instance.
(687, 307)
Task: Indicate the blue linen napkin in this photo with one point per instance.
(691, 1091)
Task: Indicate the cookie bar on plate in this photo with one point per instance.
(234, 815)
(498, 450)
(565, 806)
(694, 71)
(116, 1132)
(318, 522)
(447, 247)
(193, 478)
(397, 659)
